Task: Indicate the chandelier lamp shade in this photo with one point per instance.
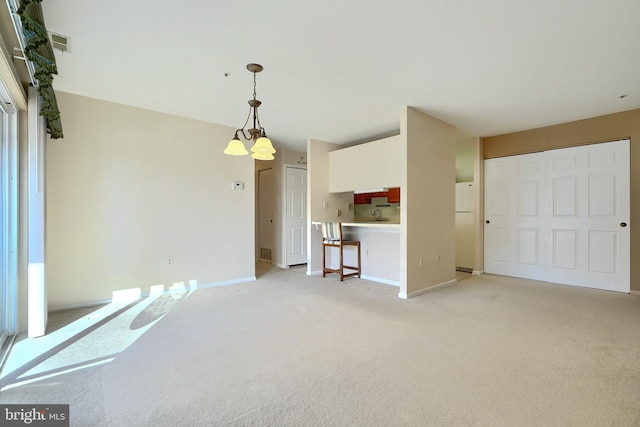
(262, 148)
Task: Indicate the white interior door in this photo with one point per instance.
(513, 216)
(560, 216)
(296, 220)
(588, 238)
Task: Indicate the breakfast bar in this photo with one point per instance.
(380, 246)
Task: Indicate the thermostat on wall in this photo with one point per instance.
(238, 185)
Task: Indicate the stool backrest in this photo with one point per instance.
(331, 232)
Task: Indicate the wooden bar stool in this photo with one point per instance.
(332, 238)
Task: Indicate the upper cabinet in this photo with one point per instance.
(394, 195)
(361, 198)
(375, 164)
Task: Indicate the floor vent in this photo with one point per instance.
(60, 42)
(265, 253)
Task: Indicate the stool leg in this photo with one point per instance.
(324, 261)
(341, 265)
(359, 264)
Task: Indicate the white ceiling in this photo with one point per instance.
(340, 70)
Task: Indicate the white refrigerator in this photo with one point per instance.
(464, 226)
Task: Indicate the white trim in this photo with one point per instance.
(8, 75)
(425, 290)
(227, 282)
(379, 280)
(56, 373)
(84, 304)
(9, 219)
(17, 26)
(5, 349)
(314, 273)
(191, 287)
(36, 223)
(477, 272)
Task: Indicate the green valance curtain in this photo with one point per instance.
(38, 50)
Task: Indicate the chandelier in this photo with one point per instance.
(262, 148)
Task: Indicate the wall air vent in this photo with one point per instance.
(265, 254)
(60, 42)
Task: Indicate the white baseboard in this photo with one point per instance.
(87, 304)
(227, 282)
(6, 349)
(371, 278)
(477, 272)
(79, 305)
(425, 290)
(379, 280)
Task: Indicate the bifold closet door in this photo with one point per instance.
(560, 216)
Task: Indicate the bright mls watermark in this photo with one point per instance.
(34, 415)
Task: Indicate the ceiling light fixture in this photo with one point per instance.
(262, 148)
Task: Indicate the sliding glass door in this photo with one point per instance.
(8, 216)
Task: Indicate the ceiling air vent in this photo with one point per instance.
(60, 42)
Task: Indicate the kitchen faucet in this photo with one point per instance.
(377, 214)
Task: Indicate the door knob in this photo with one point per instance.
(623, 224)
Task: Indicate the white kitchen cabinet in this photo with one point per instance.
(375, 164)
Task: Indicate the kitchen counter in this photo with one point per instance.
(374, 224)
(380, 244)
(383, 224)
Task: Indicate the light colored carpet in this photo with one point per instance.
(293, 350)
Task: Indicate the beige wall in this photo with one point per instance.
(317, 195)
(465, 156)
(428, 203)
(598, 129)
(128, 188)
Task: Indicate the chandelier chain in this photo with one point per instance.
(254, 85)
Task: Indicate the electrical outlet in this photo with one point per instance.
(325, 205)
(366, 252)
(170, 260)
(421, 263)
(338, 212)
(437, 258)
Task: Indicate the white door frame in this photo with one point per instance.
(9, 216)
